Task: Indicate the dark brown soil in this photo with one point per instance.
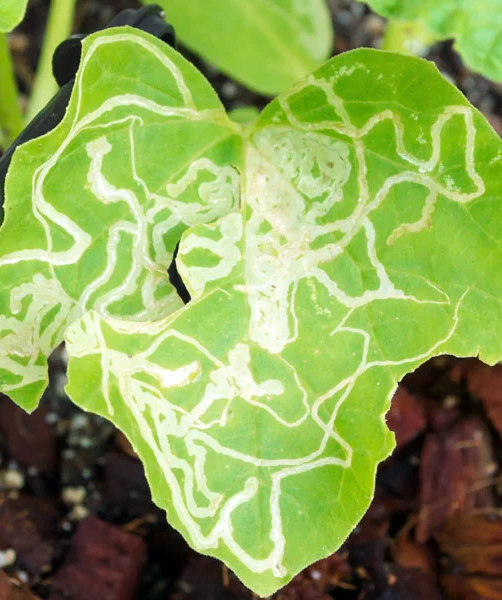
(76, 518)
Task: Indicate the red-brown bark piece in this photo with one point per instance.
(405, 417)
(409, 584)
(311, 583)
(392, 581)
(455, 473)
(459, 370)
(206, 578)
(104, 562)
(10, 590)
(125, 485)
(441, 415)
(302, 589)
(486, 383)
(410, 555)
(459, 587)
(24, 526)
(473, 545)
(30, 439)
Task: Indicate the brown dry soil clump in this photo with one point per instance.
(76, 518)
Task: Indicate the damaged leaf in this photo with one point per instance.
(104, 198)
(11, 13)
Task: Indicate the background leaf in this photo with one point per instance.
(368, 241)
(268, 45)
(11, 13)
(94, 209)
(476, 27)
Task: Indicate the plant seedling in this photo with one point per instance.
(477, 29)
(11, 120)
(345, 237)
(60, 20)
(268, 45)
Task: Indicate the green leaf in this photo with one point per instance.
(11, 13)
(244, 115)
(367, 241)
(476, 27)
(94, 209)
(268, 45)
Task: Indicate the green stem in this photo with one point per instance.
(59, 27)
(408, 37)
(11, 118)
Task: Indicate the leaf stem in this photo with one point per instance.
(408, 37)
(59, 27)
(11, 118)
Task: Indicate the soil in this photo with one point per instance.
(76, 518)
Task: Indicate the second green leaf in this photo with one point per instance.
(267, 45)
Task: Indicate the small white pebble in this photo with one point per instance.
(374, 24)
(7, 558)
(78, 513)
(12, 480)
(22, 576)
(66, 526)
(79, 422)
(491, 468)
(315, 574)
(73, 495)
(451, 401)
(344, 17)
(229, 90)
(51, 418)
